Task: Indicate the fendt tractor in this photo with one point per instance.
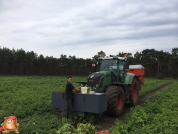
(119, 81)
(114, 84)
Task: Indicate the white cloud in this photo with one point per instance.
(83, 28)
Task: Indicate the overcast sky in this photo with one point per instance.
(82, 28)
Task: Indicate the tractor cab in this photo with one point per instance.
(110, 70)
(116, 65)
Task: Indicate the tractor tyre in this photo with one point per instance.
(115, 102)
(134, 93)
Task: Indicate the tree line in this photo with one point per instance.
(19, 62)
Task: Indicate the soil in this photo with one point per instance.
(106, 122)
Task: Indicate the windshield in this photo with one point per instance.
(107, 64)
(121, 65)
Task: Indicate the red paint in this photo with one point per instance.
(119, 101)
(1, 129)
(140, 72)
(11, 117)
(103, 132)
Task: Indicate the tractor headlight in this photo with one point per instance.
(95, 87)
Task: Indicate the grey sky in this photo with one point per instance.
(85, 27)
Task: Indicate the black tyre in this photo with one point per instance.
(134, 93)
(115, 102)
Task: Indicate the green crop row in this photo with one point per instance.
(158, 116)
(152, 84)
(25, 96)
(29, 99)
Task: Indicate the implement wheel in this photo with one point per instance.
(134, 93)
(115, 102)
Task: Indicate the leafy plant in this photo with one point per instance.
(29, 98)
(86, 128)
(67, 129)
(159, 115)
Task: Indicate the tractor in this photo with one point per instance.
(119, 80)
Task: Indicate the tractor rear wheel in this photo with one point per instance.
(115, 102)
(134, 93)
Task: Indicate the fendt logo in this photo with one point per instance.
(92, 76)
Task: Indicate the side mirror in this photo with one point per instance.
(126, 65)
(93, 68)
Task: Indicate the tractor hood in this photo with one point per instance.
(95, 80)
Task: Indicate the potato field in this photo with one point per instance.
(158, 116)
(29, 99)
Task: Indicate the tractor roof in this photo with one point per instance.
(113, 57)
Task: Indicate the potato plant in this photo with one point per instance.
(158, 116)
(29, 99)
(152, 84)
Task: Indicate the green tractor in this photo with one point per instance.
(118, 81)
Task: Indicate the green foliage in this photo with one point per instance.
(82, 128)
(39, 124)
(152, 84)
(20, 62)
(160, 76)
(173, 64)
(119, 128)
(158, 116)
(29, 98)
(88, 118)
(86, 128)
(67, 129)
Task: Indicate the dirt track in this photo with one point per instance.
(106, 122)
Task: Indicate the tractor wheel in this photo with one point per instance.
(134, 93)
(115, 102)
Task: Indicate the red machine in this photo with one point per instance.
(138, 70)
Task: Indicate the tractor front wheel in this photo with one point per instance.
(115, 102)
